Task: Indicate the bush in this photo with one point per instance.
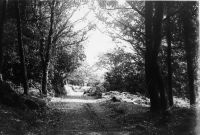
(95, 91)
(125, 78)
(9, 97)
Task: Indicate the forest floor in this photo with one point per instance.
(86, 115)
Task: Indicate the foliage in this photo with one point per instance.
(65, 63)
(126, 23)
(84, 75)
(126, 72)
(96, 90)
(66, 51)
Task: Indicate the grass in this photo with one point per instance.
(15, 121)
(181, 121)
(131, 117)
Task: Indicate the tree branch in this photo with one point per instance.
(137, 10)
(132, 29)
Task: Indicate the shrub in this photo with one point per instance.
(95, 91)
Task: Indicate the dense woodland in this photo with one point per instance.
(164, 40)
(39, 43)
(40, 48)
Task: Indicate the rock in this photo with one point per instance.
(114, 99)
(34, 92)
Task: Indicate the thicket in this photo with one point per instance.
(163, 37)
(51, 47)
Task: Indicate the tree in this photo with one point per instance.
(169, 47)
(4, 4)
(125, 71)
(125, 24)
(142, 27)
(148, 65)
(21, 49)
(56, 16)
(45, 65)
(157, 35)
(138, 29)
(66, 62)
(153, 29)
(191, 45)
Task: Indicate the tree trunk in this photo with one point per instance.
(21, 49)
(48, 50)
(149, 59)
(44, 78)
(157, 35)
(190, 48)
(169, 67)
(154, 81)
(3, 7)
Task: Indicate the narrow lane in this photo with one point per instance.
(84, 118)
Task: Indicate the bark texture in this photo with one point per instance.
(153, 29)
(191, 48)
(45, 65)
(2, 20)
(169, 61)
(149, 63)
(21, 48)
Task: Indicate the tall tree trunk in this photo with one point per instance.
(149, 58)
(48, 50)
(169, 61)
(3, 7)
(154, 81)
(190, 48)
(21, 49)
(44, 78)
(157, 35)
(41, 50)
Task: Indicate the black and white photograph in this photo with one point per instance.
(99, 67)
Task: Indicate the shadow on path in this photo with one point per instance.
(86, 115)
(83, 115)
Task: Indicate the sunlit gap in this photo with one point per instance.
(74, 100)
(74, 97)
(121, 2)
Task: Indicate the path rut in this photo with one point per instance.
(85, 118)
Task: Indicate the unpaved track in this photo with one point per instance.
(80, 118)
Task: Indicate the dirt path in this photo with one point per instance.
(84, 116)
(88, 116)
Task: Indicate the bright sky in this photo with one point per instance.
(98, 42)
